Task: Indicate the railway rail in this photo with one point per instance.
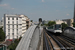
(64, 43)
(61, 42)
(46, 42)
(70, 40)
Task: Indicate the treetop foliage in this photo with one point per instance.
(2, 35)
(64, 25)
(73, 24)
(50, 23)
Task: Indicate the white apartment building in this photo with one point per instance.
(60, 22)
(14, 26)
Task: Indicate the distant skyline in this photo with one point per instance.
(35, 9)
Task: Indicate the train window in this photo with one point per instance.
(51, 27)
(57, 26)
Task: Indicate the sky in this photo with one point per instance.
(35, 9)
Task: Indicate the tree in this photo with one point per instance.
(64, 25)
(31, 20)
(73, 24)
(14, 45)
(50, 23)
(2, 35)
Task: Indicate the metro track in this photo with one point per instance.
(61, 42)
(70, 40)
(46, 44)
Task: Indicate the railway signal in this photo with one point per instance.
(40, 21)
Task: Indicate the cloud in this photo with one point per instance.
(12, 8)
(67, 14)
(3, 5)
(42, 0)
(6, 6)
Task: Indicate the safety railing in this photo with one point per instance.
(26, 39)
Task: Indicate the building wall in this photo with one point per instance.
(60, 22)
(27, 22)
(69, 21)
(15, 27)
(45, 22)
(72, 20)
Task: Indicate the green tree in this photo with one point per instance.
(50, 23)
(44, 24)
(14, 45)
(31, 20)
(64, 25)
(2, 35)
(73, 24)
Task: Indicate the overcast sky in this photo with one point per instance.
(35, 9)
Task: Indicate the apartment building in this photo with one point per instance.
(14, 26)
(27, 22)
(45, 21)
(60, 22)
(69, 21)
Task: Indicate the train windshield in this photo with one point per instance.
(57, 27)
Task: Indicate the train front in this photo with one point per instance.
(58, 28)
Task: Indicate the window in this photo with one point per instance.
(8, 22)
(12, 22)
(57, 27)
(16, 18)
(17, 26)
(9, 35)
(12, 26)
(17, 22)
(12, 33)
(12, 18)
(8, 30)
(51, 27)
(17, 37)
(13, 30)
(17, 31)
(8, 18)
(27, 21)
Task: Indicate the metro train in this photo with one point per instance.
(57, 28)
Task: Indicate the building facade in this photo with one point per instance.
(14, 26)
(45, 22)
(60, 22)
(27, 22)
(69, 21)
